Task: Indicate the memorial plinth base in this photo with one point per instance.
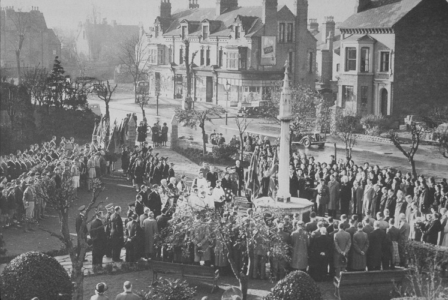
(296, 205)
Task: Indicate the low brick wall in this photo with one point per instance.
(373, 139)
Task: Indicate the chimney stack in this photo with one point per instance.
(223, 6)
(313, 25)
(165, 9)
(361, 5)
(328, 26)
(193, 4)
(268, 16)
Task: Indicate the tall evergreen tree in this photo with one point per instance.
(56, 84)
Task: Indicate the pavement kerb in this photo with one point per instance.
(357, 149)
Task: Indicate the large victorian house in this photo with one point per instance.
(391, 58)
(241, 50)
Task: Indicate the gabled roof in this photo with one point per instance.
(360, 37)
(225, 19)
(380, 14)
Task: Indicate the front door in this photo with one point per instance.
(209, 89)
(384, 102)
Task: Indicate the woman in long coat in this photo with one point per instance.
(151, 229)
(125, 158)
(141, 132)
(360, 246)
(300, 243)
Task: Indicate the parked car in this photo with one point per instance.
(96, 109)
(307, 139)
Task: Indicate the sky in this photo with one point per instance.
(67, 14)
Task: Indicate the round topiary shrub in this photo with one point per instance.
(35, 274)
(296, 285)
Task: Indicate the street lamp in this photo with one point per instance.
(227, 88)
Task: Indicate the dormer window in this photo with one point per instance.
(237, 32)
(184, 32)
(205, 32)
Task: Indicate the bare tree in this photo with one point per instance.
(416, 133)
(61, 199)
(242, 123)
(105, 91)
(194, 118)
(22, 25)
(132, 55)
(35, 80)
(346, 123)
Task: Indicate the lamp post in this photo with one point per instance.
(157, 103)
(227, 87)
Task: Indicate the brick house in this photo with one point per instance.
(245, 47)
(40, 43)
(391, 59)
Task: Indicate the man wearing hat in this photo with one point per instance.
(99, 292)
(79, 220)
(99, 239)
(155, 202)
(107, 224)
(116, 234)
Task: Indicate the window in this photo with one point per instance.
(337, 67)
(267, 92)
(281, 38)
(207, 57)
(156, 31)
(232, 60)
(290, 33)
(220, 54)
(184, 32)
(170, 55)
(205, 32)
(384, 61)
(237, 32)
(152, 56)
(202, 56)
(365, 62)
(364, 95)
(243, 58)
(161, 57)
(347, 94)
(350, 59)
(181, 56)
(310, 62)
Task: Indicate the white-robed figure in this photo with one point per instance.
(218, 195)
(200, 182)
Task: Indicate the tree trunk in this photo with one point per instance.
(18, 65)
(241, 147)
(204, 139)
(414, 170)
(244, 285)
(107, 109)
(78, 280)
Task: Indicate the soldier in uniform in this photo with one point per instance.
(116, 234)
(98, 235)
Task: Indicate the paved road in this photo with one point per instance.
(429, 162)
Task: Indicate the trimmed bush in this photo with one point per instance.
(169, 289)
(296, 285)
(35, 274)
(224, 151)
(374, 124)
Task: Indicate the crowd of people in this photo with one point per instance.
(25, 176)
(362, 214)
(159, 134)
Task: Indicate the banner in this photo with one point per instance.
(268, 50)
